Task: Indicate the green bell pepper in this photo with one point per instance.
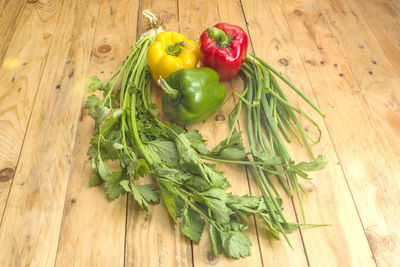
(192, 95)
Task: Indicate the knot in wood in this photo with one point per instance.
(298, 12)
(284, 62)
(6, 175)
(219, 117)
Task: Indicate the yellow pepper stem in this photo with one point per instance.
(175, 49)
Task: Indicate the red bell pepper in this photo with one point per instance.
(224, 49)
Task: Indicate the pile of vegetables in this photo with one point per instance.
(128, 130)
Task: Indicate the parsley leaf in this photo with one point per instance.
(231, 149)
(163, 151)
(113, 187)
(171, 199)
(215, 199)
(197, 141)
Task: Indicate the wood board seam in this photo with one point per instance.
(330, 136)
(75, 145)
(253, 220)
(369, 106)
(292, 201)
(377, 40)
(6, 44)
(30, 114)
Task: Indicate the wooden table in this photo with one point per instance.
(344, 55)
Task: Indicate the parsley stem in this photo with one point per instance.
(243, 162)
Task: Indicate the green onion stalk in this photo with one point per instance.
(271, 121)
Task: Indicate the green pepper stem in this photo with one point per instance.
(173, 93)
(220, 38)
(175, 49)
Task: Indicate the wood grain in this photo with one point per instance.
(194, 18)
(154, 233)
(31, 224)
(339, 96)
(344, 55)
(377, 80)
(19, 80)
(327, 195)
(382, 18)
(103, 220)
(274, 252)
(10, 12)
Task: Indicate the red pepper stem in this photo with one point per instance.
(175, 49)
(173, 93)
(220, 38)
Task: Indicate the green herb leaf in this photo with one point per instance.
(113, 185)
(216, 199)
(149, 192)
(95, 179)
(215, 240)
(197, 141)
(171, 199)
(192, 225)
(236, 244)
(102, 169)
(317, 164)
(95, 83)
(231, 149)
(163, 151)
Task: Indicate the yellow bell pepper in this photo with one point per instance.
(170, 52)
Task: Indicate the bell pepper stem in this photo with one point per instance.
(175, 49)
(173, 93)
(220, 38)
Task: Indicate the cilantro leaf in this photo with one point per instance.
(95, 179)
(215, 240)
(101, 113)
(235, 244)
(192, 225)
(102, 169)
(95, 83)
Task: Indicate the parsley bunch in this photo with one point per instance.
(127, 130)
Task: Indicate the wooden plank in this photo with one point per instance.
(88, 242)
(10, 13)
(19, 80)
(369, 161)
(274, 252)
(378, 83)
(382, 17)
(152, 239)
(373, 72)
(328, 199)
(31, 224)
(194, 18)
